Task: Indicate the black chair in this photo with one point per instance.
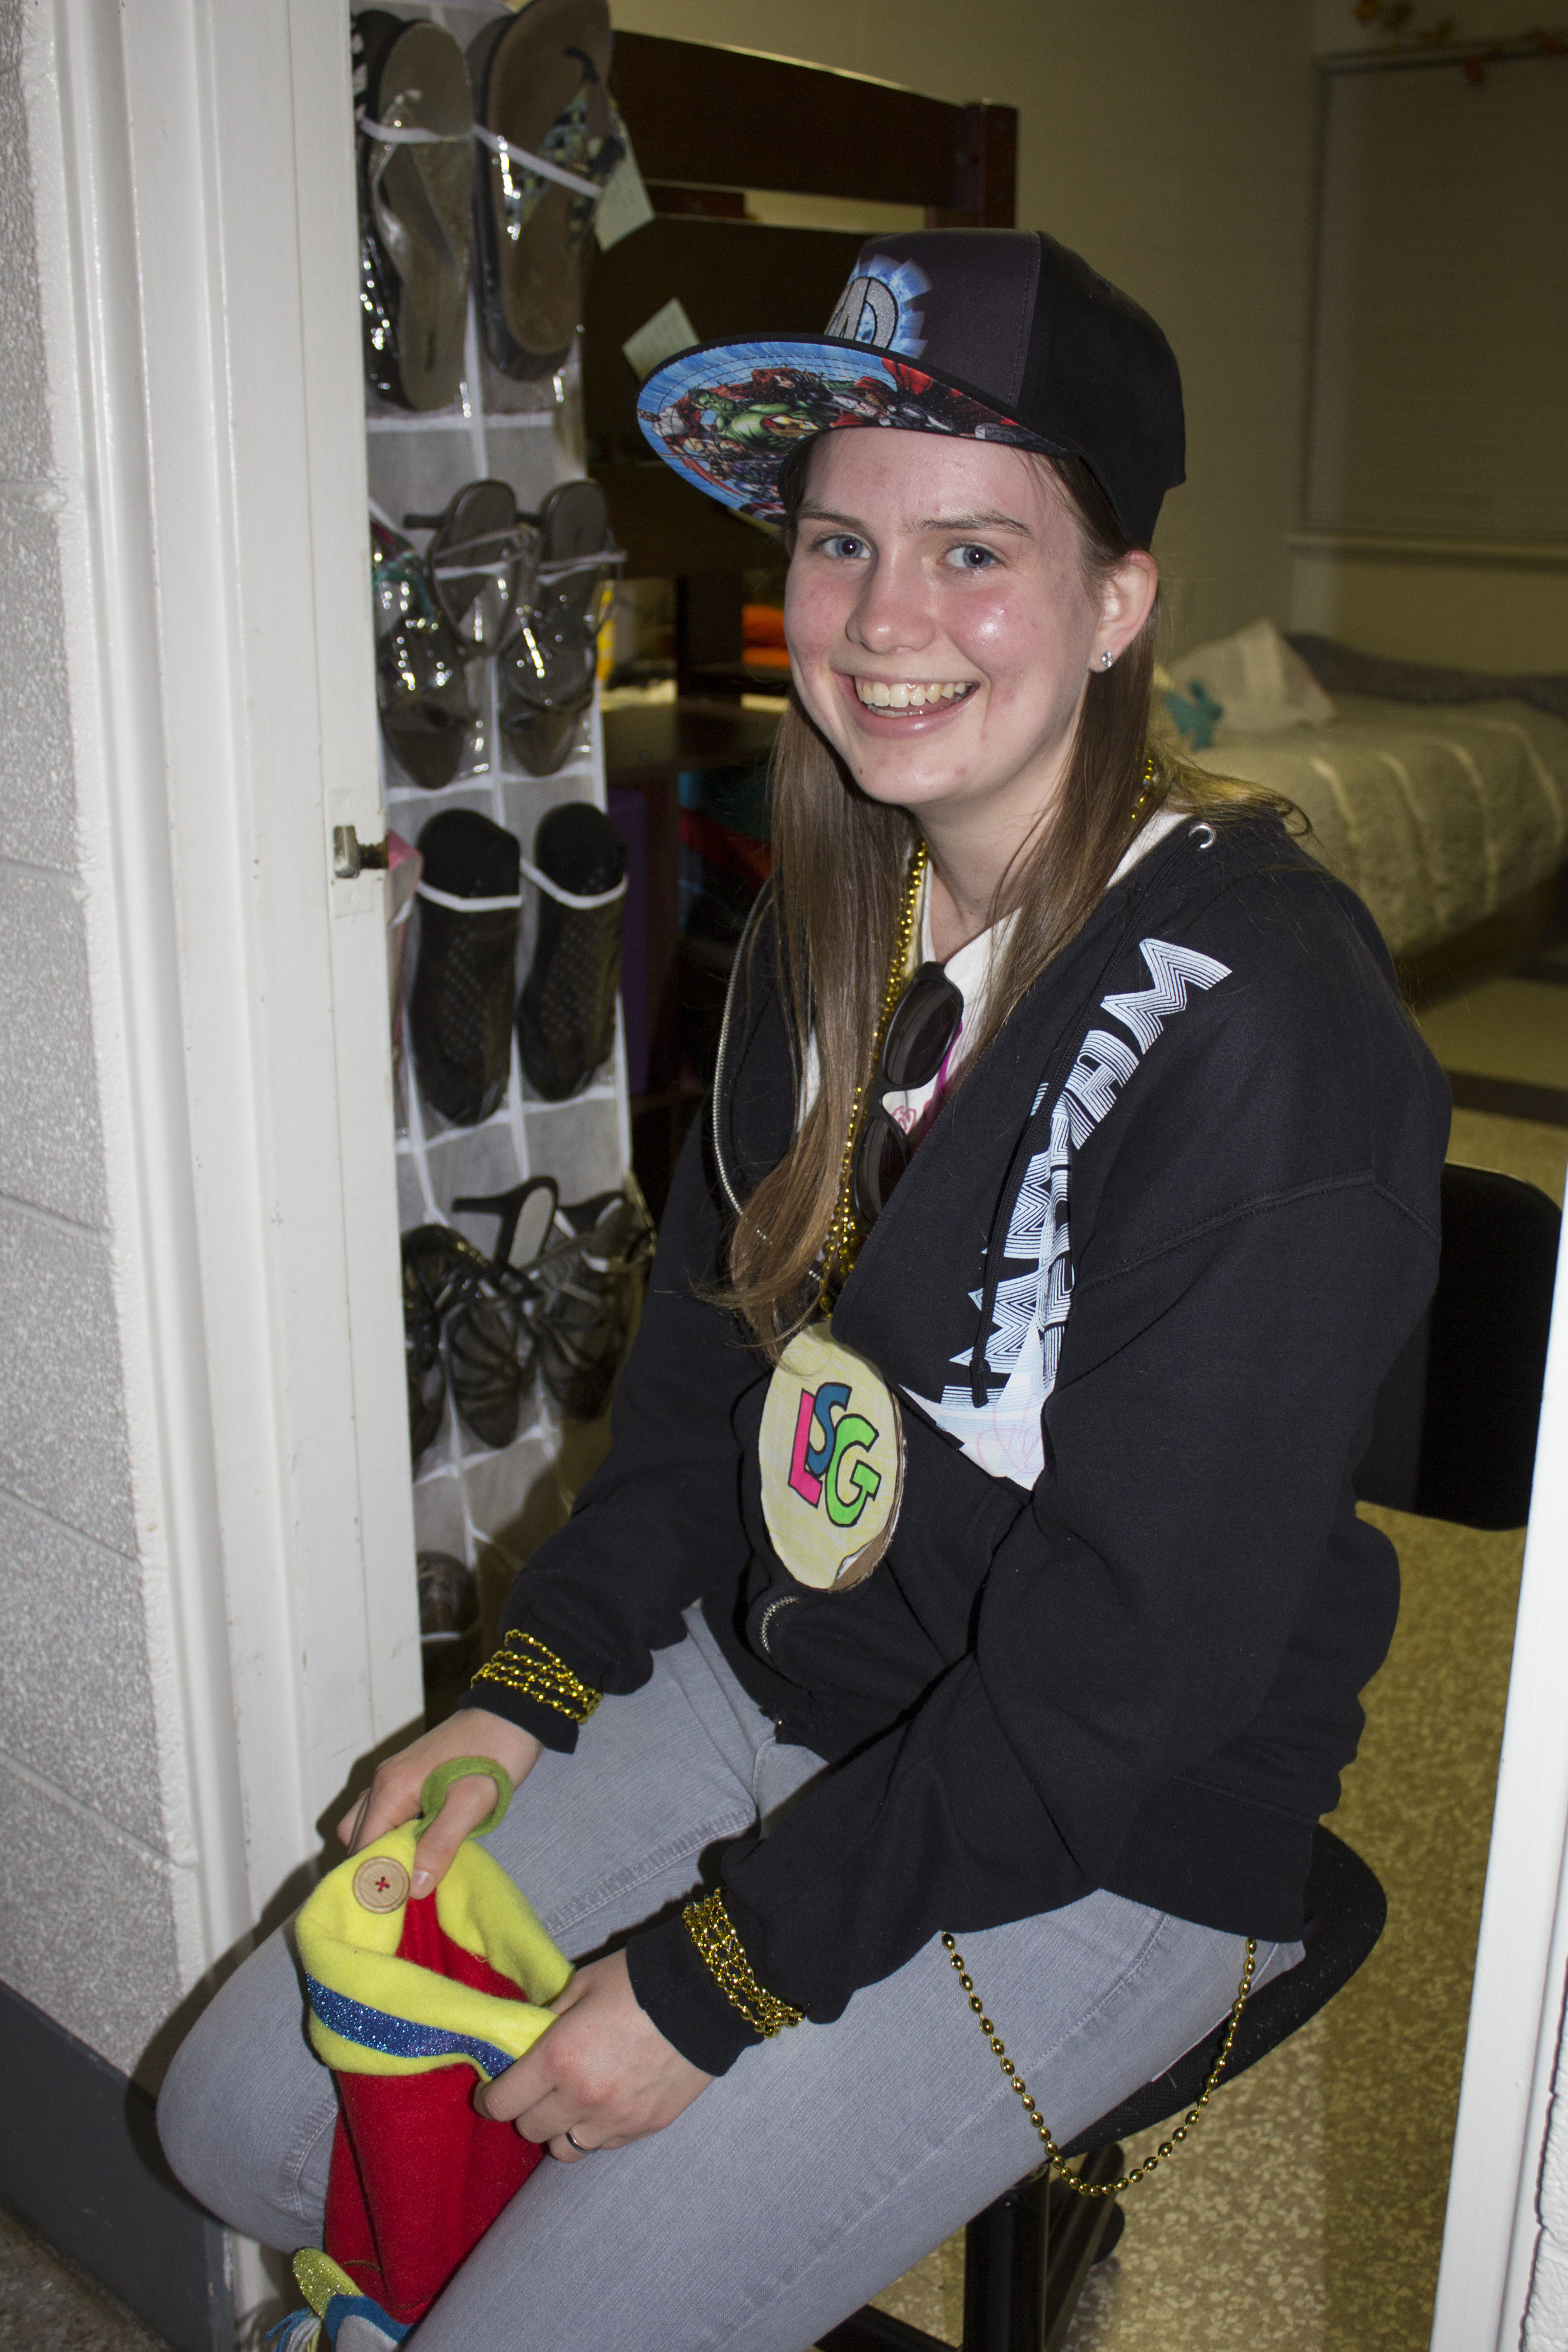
(1453, 1438)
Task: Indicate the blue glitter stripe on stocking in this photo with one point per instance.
(399, 2037)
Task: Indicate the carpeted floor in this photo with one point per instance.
(46, 2306)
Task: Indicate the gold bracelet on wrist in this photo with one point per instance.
(523, 1663)
(722, 1952)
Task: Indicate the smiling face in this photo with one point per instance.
(942, 627)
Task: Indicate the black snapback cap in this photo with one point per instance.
(994, 334)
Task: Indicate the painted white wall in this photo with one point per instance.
(1173, 147)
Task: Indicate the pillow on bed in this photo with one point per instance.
(1259, 682)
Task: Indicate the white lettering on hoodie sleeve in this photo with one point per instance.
(1023, 1346)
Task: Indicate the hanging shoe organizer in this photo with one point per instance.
(488, 1505)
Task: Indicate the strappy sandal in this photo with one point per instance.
(413, 114)
(510, 1252)
(566, 1011)
(587, 1290)
(425, 1371)
(486, 1346)
(480, 560)
(490, 1347)
(421, 686)
(544, 676)
(542, 112)
(460, 1008)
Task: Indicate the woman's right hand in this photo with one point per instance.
(393, 1796)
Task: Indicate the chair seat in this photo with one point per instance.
(1028, 2252)
(1345, 1908)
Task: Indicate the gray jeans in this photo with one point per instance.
(804, 2180)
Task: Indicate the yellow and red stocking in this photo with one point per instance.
(410, 2001)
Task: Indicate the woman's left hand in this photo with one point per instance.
(604, 2072)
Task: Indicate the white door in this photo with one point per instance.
(223, 653)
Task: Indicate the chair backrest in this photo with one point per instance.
(1453, 1433)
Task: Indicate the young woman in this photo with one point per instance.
(1024, 1600)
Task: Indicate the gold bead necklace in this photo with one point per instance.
(844, 1238)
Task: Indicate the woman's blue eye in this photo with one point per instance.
(845, 545)
(972, 558)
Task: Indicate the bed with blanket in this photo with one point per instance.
(1440, 795)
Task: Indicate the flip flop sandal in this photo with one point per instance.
(566, 1011)
(544, 677)
(459, 1009)
(415, 118)
(480, 560)
(587, 1294)
(544, 115)
(421, 684)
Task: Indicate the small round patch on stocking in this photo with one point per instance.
(380, 1884)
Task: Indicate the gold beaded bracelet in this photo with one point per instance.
(523, 1663)
(722, 1952)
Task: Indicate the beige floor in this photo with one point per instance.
(46, 2306)
(1507, 1028)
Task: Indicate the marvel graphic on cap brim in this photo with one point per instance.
(728, 413)
(987, 334)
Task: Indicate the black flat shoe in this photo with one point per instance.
(459, 1009)
(567, 1012)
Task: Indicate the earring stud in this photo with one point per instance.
(1106, 660)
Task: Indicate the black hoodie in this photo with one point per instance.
(1142, 1673)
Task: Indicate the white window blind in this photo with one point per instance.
(1440, 349)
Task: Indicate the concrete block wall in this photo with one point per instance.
(89, 1885)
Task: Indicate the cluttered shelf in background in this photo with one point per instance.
(678, 735)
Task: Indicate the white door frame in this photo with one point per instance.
(1517, 2004)
(203, 351)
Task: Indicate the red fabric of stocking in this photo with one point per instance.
(417, 2177)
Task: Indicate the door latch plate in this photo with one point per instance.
(351, 856)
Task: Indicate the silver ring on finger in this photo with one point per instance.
(572, 2141)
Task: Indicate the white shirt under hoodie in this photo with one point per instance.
(1002, 1435)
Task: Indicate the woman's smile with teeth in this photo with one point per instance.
(879, 693)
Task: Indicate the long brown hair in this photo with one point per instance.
(840, 867)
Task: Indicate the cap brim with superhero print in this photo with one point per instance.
(991, 334)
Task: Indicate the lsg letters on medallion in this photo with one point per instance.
(831, 1452)
(820, 1445)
